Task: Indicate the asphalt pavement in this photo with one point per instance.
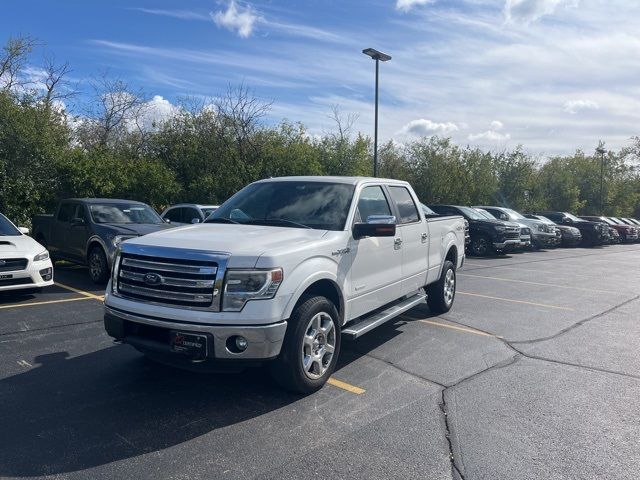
(534, 374)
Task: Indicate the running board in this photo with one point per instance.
(366, 324)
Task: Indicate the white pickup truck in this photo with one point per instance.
(282, 271)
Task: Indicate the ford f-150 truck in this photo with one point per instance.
(283, 271)
(88, 230)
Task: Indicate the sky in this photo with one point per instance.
(551, 75)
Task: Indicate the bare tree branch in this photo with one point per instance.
(12, 60)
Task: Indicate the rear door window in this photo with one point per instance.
(66, 212)
(174, 215)
(406, 206)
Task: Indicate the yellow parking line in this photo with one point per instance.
(515, 301)
(455, 327)
(536, 283)
(81, 292)
(345, 386)
(48, 302)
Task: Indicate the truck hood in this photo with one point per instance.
(11, 245)
(245, 243)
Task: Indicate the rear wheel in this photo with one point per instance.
(311, 347)
(481, 246)
(440, 295)
(98, 266)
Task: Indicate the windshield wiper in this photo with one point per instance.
(221, 220)
(277, 221)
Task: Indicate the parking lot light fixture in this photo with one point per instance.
(378, 57)
(601, 151)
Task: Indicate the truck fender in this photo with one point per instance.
(449, 242)
(322, 271)
(97, 239)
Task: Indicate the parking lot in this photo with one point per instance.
(533, 374)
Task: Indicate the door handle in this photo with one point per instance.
(397, 243)
(424, 237)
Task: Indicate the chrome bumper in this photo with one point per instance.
(505, 244)
(264, 341)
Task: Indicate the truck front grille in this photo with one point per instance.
(512, 233)
(13, 264)
(167, 281)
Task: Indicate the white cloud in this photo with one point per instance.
(157, 111)
(406, 5)
(236, 18)
(424, 126)
(491, 135)
(574, 106)
(527, 11)
(497, 125)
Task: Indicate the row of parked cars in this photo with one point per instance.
(499, 230)
(89, 230)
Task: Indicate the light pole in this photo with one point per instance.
(601, 151)
(378, 57)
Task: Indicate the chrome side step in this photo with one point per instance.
(366, 324)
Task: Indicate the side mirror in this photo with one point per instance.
(77, 221)
(166, 220)
(23, 230)
(195, 220)
(503, 217)
(376, 226)
(567, 220)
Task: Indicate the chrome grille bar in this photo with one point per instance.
(166, 295)
(169, 267)
(169, 281)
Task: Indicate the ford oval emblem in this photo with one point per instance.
(152, 279)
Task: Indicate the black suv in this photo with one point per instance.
(487, 236)
(593, 233)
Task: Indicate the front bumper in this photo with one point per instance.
(146, 333)
(506, 244)
(30, 277)
(544, 239)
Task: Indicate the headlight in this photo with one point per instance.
(118, 239)
(41, 256)
(240, 286)
(499, 228)
(114, 271)
(540, 227)
(596, 227)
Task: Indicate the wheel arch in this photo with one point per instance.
(96, 241)
(319, 284)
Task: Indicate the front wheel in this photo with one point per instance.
(98, 266)
(311, 347)
(481, 246)
(440, 295)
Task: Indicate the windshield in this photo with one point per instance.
(485, 214)
(319, 205)
(513, 215)
(573, 217)
(7, 228)
(471, 213)
(124, 213)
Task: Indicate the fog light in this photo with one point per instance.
(46, 274)
(241, 343)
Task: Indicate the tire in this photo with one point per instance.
(98, 266)
(313, 325)
(441, 294)
(480, 246)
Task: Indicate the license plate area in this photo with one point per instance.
(5, 277)
(189, 344)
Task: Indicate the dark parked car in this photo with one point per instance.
(626, 232)
(88, 230)
(593, 233)
(568, 236)
(487, 236)
(543, 235)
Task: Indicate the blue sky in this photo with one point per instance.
(553, 75)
